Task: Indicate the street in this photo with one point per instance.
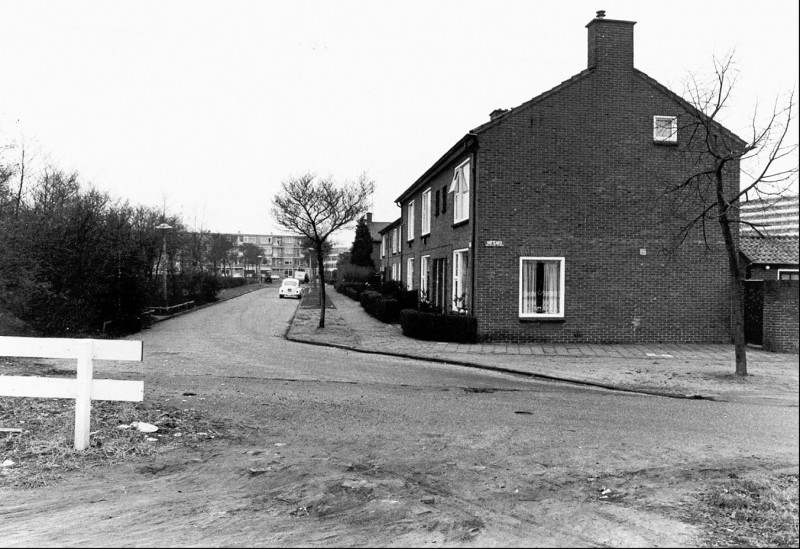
(327, 447)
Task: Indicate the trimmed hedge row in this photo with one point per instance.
(438, 327)
(230, 282)
(383, 308)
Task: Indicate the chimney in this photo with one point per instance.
(610, 43)
(497, 113)
(369, 217)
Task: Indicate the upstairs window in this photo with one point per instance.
(460, 189)
(383, 246)
(665, 129)
(426, 212)
(410, 221)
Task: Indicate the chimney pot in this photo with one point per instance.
(497, 113)
(601, 14)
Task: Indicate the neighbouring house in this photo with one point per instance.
(773, 216)
(769, 258)
(375, 228)
(547, 223)
(391, 251)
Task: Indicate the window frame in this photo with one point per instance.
(424, 274)
(460, 195)
(383, 246)
(410, 221)
(425, 205)
(410, 274)
(562, 281)
(673, 137)
(462, 279)
(781, 271)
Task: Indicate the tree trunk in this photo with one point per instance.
(322, 299)
(737, 310)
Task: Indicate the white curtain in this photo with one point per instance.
(551, 301)
(528, 286)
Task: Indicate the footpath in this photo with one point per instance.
(698, 371)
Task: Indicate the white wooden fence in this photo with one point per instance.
(83, 389)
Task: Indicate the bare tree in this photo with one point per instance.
(316, 208)
(765, 161)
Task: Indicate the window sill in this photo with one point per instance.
(541, 320)
(460, 223)
(667, 143)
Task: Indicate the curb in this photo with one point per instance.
(494, 368)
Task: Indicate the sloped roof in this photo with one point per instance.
(375, 228)
(778, 249)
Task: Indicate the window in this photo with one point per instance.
(410, 274)
(383, 246)
(665, 129)
(426, 212)
(541, 287)
(788, 274)
(460, 272)
(424, 277)
(395, 271)
(410, 221)
(460, 189)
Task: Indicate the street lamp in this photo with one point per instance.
(164, 228)
(258, 268)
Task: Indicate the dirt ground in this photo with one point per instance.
(314, 458)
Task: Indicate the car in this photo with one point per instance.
(290, 287)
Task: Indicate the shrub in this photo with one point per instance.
(438, 327)
(354, 273)
(383, 308)
(351, 289)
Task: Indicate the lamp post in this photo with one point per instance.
(258, 268)
(164, 228)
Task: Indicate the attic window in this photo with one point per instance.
(665, 129)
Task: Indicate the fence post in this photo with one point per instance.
(83, 399)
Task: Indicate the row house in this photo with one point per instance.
(545, 223)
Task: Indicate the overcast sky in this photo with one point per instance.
(207, 106)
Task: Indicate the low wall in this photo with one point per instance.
(781, 316)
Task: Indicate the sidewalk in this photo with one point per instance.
(676, 370)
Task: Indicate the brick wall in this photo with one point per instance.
(781, 316)
(577, 175)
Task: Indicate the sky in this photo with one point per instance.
(204, 108)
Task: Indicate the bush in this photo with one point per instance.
(354, 274)
(438, 327)
(383, 308)
(351, 289)
(230, 282)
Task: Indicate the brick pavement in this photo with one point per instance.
(678, 370)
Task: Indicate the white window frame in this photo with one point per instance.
(561, 278)
(460, 187)
(426, 212)
(424, 267)
(673, 136)
(459, 278)
(410, 220)
(383, 246)
(396, 271)
(781, 271)
(395, 240)
(410, 274)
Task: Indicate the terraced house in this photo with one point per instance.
(546, 223)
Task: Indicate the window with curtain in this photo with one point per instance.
(426, 212)
(541, 283)
(424, 277)
(460, 273)
(665, 129)
(410, 274)
(460, 189)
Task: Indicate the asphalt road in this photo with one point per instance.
(361, 449)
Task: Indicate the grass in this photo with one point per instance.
(43, 451)
(753, 512)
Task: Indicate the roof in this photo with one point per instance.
(375, 228)
(776, 250)
(391, 225)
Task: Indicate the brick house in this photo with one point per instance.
(391, 251)
(546, 222)
(769, 258)
(375, 228)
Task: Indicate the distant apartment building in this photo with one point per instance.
(282, 255)
(332, 259)
(778, 216)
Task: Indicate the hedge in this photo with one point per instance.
(439, 327)
(383, 308)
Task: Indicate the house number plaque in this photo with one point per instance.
(494, 243)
